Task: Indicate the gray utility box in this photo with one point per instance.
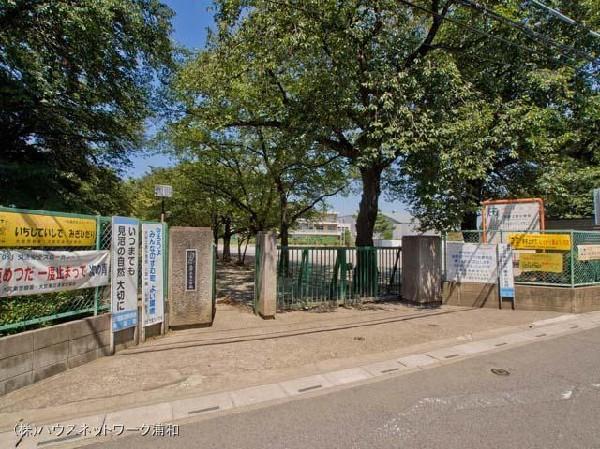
(422, 269)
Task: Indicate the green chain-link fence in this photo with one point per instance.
(574, 263)
(20, 313)
(319, 276)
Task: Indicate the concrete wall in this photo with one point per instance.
(528, 297)
(31, 356)
(560, 299)
(470, 294)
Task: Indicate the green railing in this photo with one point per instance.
(25, 312)
(576, 268)
(326, 277)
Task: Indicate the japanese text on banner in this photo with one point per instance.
(152, 269)
(471, 262)
(34, 272)
(22, 229)
(124, 280)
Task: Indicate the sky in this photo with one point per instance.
(192, 19)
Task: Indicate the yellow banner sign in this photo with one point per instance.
(549, 262)
(28, 230)
(588, 252)
(561, 242)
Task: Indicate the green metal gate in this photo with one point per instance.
(309, 277)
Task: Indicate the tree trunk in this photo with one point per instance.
(240, 240)
(369, 205)
(469, 221)
(227, 234)
(365, 272)
(245, 251)
(215, 230)
(474, 191)
(284, 234)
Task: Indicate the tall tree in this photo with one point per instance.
(76, 84)
(532, 134)
(398, 81)
(293, 171)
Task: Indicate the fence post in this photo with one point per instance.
(343, 274)
(266, 299)
(164, 325)
(572, 261)
(98, 247)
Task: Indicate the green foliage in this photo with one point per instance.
(76, 84)
(270, 177)
(349, 78)
(460, 115)
(527, 129)
(314, 240)
(384, 228)
(24, 308)
(190, 205)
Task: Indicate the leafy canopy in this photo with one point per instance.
(76, 85)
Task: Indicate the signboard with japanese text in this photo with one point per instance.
(191, 255)
(471, 262)
(559, 242)
(124, 280)
(506, 276)
(27, 230)
(152, 273)
(33, 272)
(588, 252)
(500, 216)
(547, 262)
(163, 190)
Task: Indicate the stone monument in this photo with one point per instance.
(191, 272)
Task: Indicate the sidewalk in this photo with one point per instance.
(241, 350)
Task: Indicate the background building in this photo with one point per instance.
(325, 229)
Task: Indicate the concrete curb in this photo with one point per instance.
(171, 412)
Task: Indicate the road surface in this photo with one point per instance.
(549, 399)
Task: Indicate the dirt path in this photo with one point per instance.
(235, 283)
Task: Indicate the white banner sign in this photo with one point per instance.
(152, 273)
(510, 217)
(506, 274)
(588, 252)
(124, 281)
(32, 272)
(471, 262)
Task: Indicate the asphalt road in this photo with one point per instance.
(550, 399)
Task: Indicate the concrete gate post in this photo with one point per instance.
(191, 274)
(422, 269)
(266, 291)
